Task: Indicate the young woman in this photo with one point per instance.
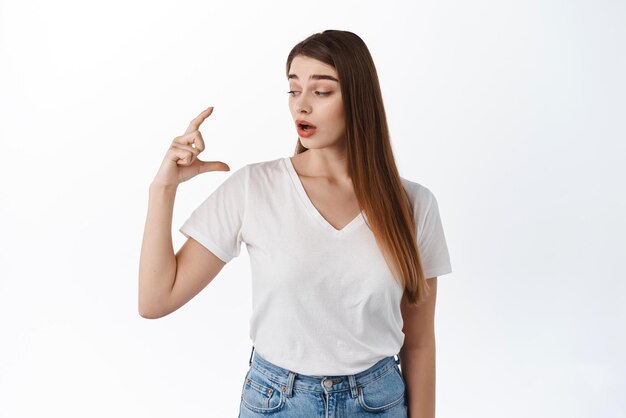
(341, 249)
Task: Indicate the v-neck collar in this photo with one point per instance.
(312, 209)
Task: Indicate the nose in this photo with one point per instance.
(302, 106)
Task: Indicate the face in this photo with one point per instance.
(315, 97)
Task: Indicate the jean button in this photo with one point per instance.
(328, 383)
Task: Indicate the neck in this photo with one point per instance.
(330, 164)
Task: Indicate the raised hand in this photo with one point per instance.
(181, 162)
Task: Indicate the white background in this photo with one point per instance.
(511, 112)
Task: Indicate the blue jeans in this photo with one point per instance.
(272, 391)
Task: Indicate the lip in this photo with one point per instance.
(305, 134)
(299, 121)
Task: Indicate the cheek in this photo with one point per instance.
(336, 110)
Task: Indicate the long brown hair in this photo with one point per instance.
(371, 164)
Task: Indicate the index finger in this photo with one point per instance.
(195, 123)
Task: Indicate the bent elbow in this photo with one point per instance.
(148, 313)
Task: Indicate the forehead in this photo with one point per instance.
(304, 67)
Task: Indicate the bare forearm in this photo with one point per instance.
(157, 265)
(418, 369)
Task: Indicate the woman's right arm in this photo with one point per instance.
(167, 280)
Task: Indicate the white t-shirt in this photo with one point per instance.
(324, 301)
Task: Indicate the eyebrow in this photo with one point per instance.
(315, 77)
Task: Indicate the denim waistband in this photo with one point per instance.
(290, 380)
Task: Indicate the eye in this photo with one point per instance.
(319, 93)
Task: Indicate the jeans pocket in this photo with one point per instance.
(260, 394)
(385, 392)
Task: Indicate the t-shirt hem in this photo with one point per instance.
(436, 272)
(191, 232)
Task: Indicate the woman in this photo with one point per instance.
(341, 249)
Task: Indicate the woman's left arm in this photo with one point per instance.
(417, 356)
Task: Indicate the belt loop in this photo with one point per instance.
(290, 380)
(353, 387)
(251, 353)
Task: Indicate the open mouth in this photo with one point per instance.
(305, 126)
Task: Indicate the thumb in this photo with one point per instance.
(207, 166)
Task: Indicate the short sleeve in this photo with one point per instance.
(218, 222)
(430, 236)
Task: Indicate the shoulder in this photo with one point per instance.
(265, 167)
(421, 196)
(254, 171)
